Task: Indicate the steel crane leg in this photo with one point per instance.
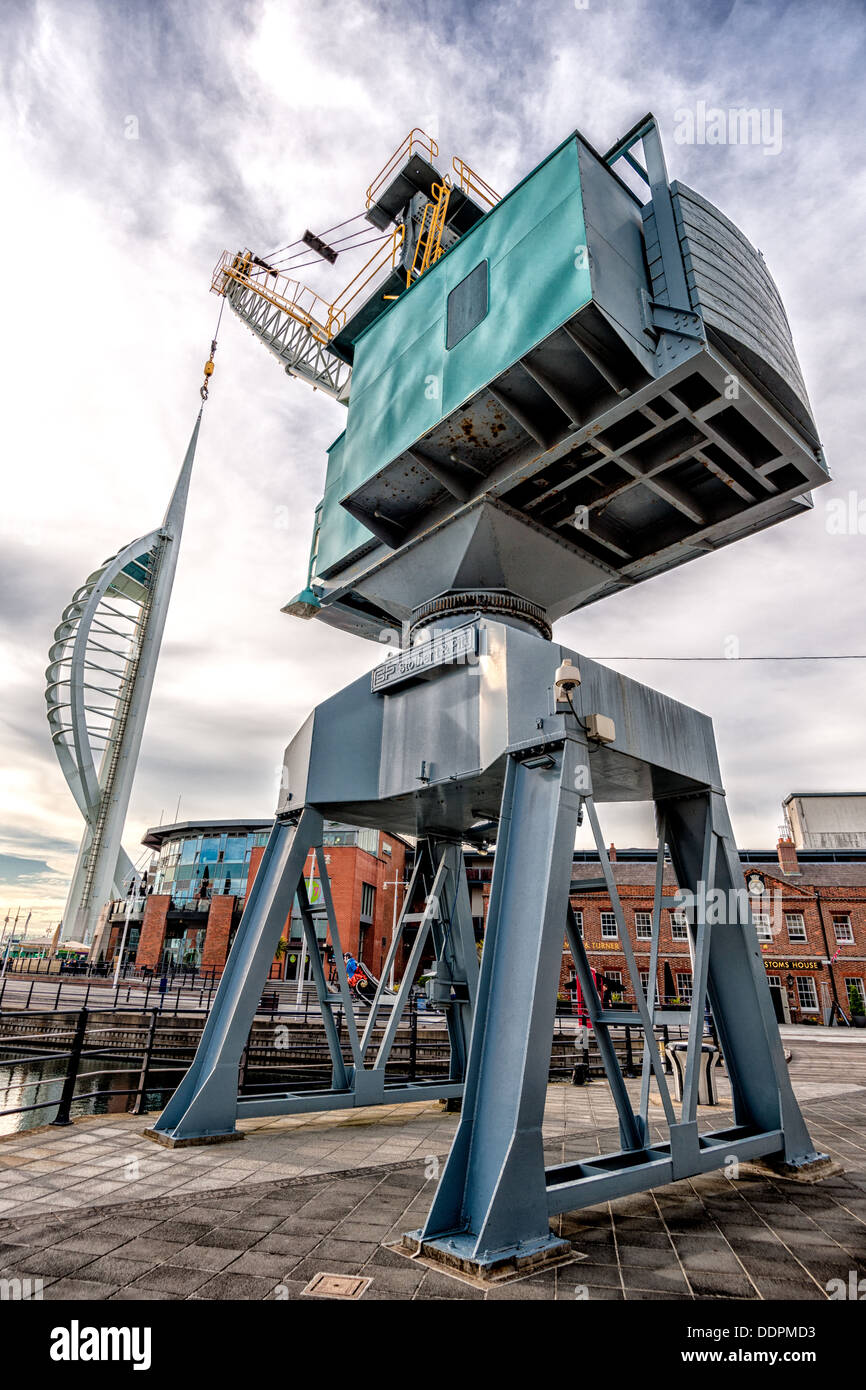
(493, 1206)
(205, 1104)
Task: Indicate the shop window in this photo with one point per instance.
(684, 986)
(854, 987)
(807, 994)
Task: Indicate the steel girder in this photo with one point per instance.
(291, 343)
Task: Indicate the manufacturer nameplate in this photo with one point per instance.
(448, 648)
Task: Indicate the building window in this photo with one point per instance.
(614, 981)
(679, 926)
(608, 924)
(368, 840)
(853, 989)
(842, 926)
(578, 917)
(467, 305)
(762, 924)
(684, 986)
(643, 922)
(368, 900)
(796, 926)
(644, 981)
(807, 994)
(775, 980)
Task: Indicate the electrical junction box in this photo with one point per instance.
(601, 728)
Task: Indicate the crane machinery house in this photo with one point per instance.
(615, 376)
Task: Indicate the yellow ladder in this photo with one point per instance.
(428, 248)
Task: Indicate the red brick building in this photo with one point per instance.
(367, 872)
(198, 881)
(809, 908)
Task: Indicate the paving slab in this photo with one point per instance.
(318, 1194)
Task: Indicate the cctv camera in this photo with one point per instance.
(565, 680)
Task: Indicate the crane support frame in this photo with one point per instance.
(380, 753)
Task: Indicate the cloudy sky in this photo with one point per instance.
(253, 121)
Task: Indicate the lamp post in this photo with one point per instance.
(130, 898)
(12, 940)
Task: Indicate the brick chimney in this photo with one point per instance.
(788, 862)
(611, 854)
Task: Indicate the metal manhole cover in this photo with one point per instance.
(336, 1286)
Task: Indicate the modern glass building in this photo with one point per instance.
(198, 880)
(199, 860)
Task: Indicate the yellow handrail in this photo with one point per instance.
(416, 139)
(384, 251)
(470, 182)
(429, 208)
(293, 298)
(321, 319)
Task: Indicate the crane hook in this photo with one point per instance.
(208, 371)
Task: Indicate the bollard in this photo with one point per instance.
(580, 1075)
(629, 1055)
(706, 1072)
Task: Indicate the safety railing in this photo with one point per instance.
(298, 301)
(417, 139)
(385, 252)
(183, 994)
(321, 319)
(473, 184)
(78, 1052)
(135, 1051)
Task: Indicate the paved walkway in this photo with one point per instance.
(97, 1211)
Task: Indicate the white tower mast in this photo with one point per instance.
(98, 683)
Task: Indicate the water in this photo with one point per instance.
(16, 1090)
